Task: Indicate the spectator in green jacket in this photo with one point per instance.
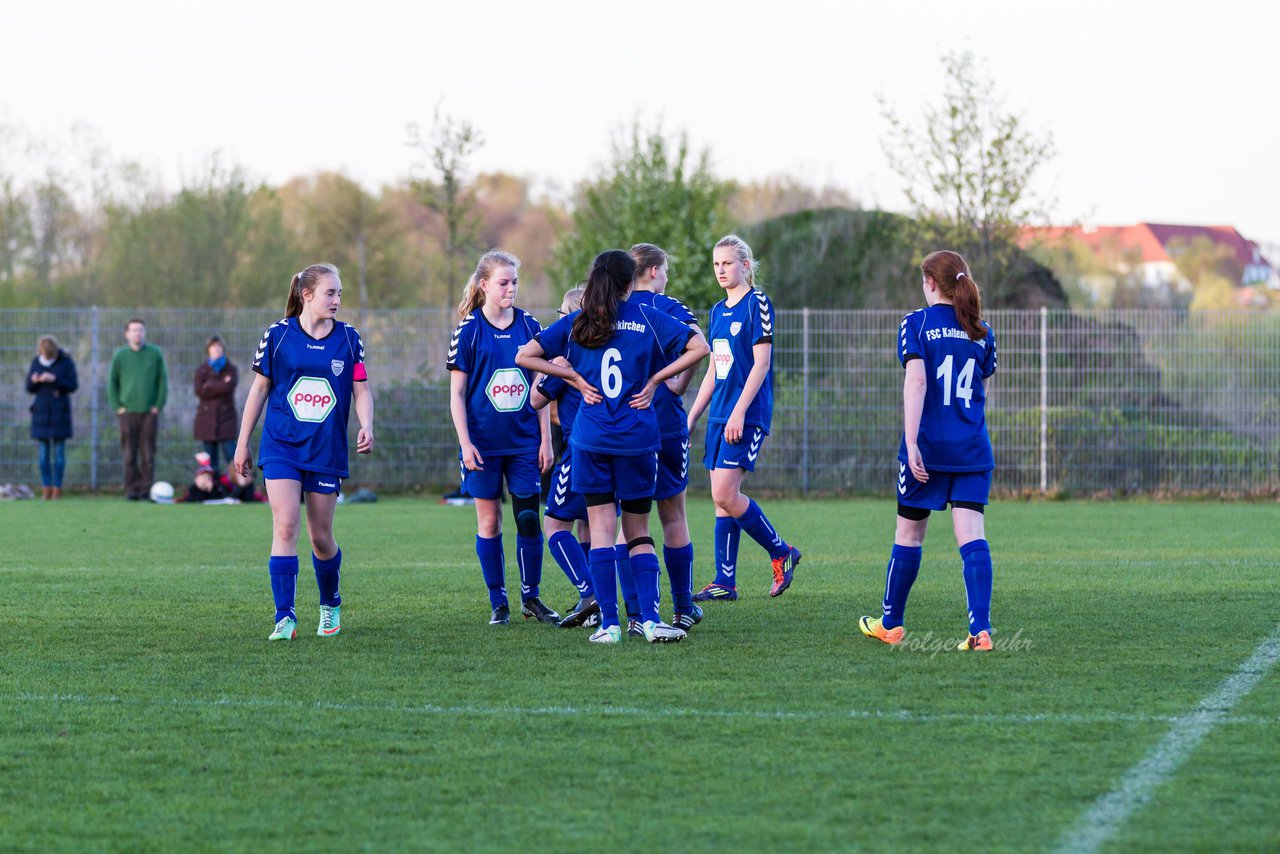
(137, 389)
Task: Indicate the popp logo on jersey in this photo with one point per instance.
(721, 357)
(507, 389)
(312, 399)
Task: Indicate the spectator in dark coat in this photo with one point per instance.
(52, 379)
(216, 422)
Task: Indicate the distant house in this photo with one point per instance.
(1148, 250)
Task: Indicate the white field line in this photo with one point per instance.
(902, 716)
(1111, 811)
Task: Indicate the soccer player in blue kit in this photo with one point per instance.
(310, 368)
(620, 353)
(564, 506)
(500, 436)
(948, 352)
(738, 387)
(673, 458)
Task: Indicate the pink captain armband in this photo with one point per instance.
(359, 374)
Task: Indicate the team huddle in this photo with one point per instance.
(614, 368)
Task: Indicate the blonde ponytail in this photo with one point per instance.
(472, 295)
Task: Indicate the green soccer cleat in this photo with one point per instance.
(286, 629)
(330, 621)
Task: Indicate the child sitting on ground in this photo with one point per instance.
(205, 488)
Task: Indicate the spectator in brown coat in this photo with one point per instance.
(216, 424)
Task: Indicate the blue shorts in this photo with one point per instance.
(625, 477)
(720, 454)
(943, 487)
(673, 467)
(520, 470)
(562, 502)
(320, 484)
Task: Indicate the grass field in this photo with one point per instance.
(141, 707)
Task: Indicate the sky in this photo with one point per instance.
(1159, 111)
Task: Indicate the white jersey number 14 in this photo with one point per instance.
(964, 381)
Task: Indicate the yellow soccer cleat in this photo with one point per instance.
(874, 628)
(981, 642)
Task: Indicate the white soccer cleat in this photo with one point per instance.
(612, 634)
(662, 633)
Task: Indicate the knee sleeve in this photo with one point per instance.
(525, 509)
(915, 514)
(639, 506)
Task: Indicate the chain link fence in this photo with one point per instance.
(1105, 402)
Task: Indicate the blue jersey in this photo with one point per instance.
(673, 422)
(734, 332)
(309, 404)
(953, 427)
(568, 401)
(644, 341)
(500, 420)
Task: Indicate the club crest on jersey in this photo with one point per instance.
(721, 357)
(312, 399)
(735, 328)
(336, 366)
(507, 389)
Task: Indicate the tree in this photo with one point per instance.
(652, 191)
(779, 195)
(345, 224)
(1212, 270)
(194, 249)
(967, 168)
(451, 194)
(15, 235)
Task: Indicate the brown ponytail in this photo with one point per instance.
(611, 276)
(950, 273)
(307, 280)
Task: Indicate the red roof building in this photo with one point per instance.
(1151, 246)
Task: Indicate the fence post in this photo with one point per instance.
(804, 373)
(1044, 399)
(95, 372)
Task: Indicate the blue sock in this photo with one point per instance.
(493, 568)
(604, 571)
(626, 580)
(753, 521)
(728, 532)
(327, 578)
(904, 566)
(586, 550)
(976, 555)
(529, 558)
(644, 569)
(284, 582)
(680, 572)
(565, 551)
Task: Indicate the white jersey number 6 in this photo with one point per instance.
(610, 373)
